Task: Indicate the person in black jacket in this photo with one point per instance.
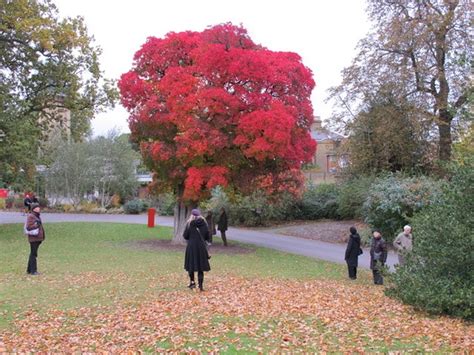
(353, 251)
(222, 225)
(27, 203)
(210, 224)
(378, 257)
(197, 256)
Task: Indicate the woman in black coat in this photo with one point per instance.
(197, 256)
(353, 251)
(222, 225)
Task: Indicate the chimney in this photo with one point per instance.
(316, 125)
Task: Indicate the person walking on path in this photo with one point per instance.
(197, 257)
(378, 257)
(27, 203)
(222, 225)
(35, 231)
(353, 251)
(211, 225)
(403, 244)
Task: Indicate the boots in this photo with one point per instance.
(200, 280)
(192, 284)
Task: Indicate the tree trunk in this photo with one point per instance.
(445, 139)
(181, 214)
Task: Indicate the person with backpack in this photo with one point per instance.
(197, 256)
(34, 230)
(378, 257)
(353, 251)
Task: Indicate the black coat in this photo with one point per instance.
(196, 257)
(27, 202)
(352, 250)
(222, 223)
(210, 224)
(380, 247)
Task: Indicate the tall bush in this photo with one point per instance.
(438, 275)
(134, 207)
(352, 195)
(166, 203)
(254, 210)
(320, 201)
(392, 201)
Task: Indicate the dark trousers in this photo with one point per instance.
(200, 277)
(224, 238)
(32, 265)
(378, 278)
(352, 271)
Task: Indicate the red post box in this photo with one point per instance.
(3, 193)
(151, 217)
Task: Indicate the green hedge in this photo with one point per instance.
(320, 201)
(393, 199)
(134, 207)
(438, 275)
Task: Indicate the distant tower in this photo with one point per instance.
(56, 121)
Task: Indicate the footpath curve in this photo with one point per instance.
(312, 248)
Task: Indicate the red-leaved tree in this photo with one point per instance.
(213, 108)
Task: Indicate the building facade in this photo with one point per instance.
(328, 160)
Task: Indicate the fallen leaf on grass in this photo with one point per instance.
(289, 315)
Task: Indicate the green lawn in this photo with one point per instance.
(96, 282)
(77, 257)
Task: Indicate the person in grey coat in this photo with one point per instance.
(403, 244)
(353, 251)
(378, 257)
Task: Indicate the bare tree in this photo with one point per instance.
(104, 165)
(419, 49)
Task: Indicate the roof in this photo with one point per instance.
(325, 135)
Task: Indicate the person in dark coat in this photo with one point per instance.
(378, 257)
(27, 203)
(211, 225)
(222, 225)
(197, 256)
(33, 222)
(353, 251)
(34, 199)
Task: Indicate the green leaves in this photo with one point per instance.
(438, 274)
(45, 64)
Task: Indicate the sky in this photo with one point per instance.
(323, 32)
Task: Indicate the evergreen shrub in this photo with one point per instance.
(438, 275)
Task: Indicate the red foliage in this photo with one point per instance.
(213, 108)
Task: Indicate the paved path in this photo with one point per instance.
(268, 239)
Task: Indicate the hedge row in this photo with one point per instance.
(385, 203)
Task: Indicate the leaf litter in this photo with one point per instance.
(243, 314)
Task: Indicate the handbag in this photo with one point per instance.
(206, 246)
(33, 232)
(360, 251)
